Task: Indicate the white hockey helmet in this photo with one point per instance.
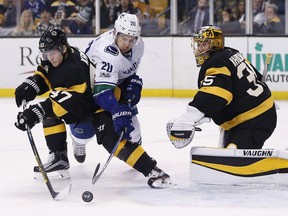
(127, 24)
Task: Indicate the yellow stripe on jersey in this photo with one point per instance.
(259, 167)
(57, 109)
(54, 129)
(263, 107)
(44, 78)
(218, 91)
(81, 88)
(221, 70)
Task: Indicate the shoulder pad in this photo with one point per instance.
(113, 50)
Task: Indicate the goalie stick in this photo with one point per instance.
(97, 175)
(55, 195)
(265, 71)
(267, 63)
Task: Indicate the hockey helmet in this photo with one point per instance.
(206, 40)
(51, 39)
(127, 24)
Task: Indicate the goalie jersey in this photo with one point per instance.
(231, 92)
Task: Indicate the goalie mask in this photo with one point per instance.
(206, 40)
(127, 24)
(179, 138)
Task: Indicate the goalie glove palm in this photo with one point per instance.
(180, 134)
(181, 130)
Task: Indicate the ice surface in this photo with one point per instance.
(121, 190)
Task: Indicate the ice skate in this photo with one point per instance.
(56, 167)
(79, 151)
(159, 179)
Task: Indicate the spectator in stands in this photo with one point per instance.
(105, 21)
(198, 17)
(46, 22)
(2, 7)
(36, 6)
(229, 24)
(80, 25)
(4, 31)
(124, 6)
(147, 17)
(239, 14)
(258, 15)
(62, 9)
(26, 25)
(112, 5)
(10, 14)
(273, 24)
(88, 5)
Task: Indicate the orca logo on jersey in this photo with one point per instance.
(112, 50)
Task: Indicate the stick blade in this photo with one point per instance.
(95, 173)
(63, 194)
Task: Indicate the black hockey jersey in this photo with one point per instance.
(231, 92)
(70, 96)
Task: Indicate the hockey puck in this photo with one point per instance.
(87, 196)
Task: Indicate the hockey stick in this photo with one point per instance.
(97, 176)
(265, 71)
(267, 63)
(55, 195)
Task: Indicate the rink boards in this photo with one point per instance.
(238, 167)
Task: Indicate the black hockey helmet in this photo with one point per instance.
(51, 39)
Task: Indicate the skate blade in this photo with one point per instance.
(53, 176)
(160, 184)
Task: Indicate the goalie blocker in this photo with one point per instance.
(238, 166)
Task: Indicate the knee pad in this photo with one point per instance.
(84, 130)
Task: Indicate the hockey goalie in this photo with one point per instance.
(232, 94)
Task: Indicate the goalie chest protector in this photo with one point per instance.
(238, 166)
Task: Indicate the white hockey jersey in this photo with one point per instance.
(111, 66)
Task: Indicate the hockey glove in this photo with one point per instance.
(181, 130)
(26, 91)
(134, 88)
(122, 120)
(31, 116)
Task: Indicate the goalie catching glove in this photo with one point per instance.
(181, 130)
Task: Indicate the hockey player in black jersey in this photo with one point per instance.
(230, 93)
(65, 72)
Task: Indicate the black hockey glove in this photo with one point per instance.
(31, 116)
(134, 88)
(26, 91)
(122, 120)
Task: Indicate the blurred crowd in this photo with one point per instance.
(268, 16)
(77, 17)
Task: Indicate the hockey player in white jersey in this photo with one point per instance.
(117, 90)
